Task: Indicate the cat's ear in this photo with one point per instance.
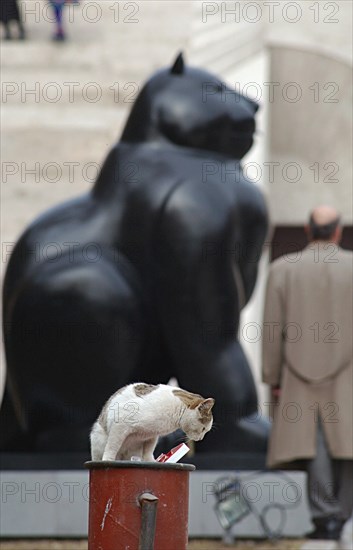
(178, 67)
(206, 405)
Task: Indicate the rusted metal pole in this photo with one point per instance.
(148, 503)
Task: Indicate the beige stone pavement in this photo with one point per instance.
(193, 545)
(84, 89)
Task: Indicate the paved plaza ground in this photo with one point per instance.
(193, 545)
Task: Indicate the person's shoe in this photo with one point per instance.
(329, 529)
(59, 36)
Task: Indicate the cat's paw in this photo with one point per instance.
(109, 456)
(149, 458)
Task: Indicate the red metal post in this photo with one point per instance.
(138, 505)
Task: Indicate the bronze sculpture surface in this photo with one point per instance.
(144, 277)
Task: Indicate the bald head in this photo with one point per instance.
(324, 224)
(323, 215)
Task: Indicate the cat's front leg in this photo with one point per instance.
(148, 448)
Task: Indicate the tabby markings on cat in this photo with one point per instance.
(144, 389)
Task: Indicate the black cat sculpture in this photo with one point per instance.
(144, 277)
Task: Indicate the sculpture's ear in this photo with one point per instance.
(256, 106)
(253, 104)
(178, 67)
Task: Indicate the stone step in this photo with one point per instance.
(54, 89)
(54, 504)
(73, 116)
(320, 545)
(105, 43)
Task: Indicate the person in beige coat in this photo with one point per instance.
(307, 361)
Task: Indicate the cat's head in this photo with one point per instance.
(197, 419)
(192, 108)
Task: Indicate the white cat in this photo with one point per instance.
(136, 415)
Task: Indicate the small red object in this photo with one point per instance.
(174, 454)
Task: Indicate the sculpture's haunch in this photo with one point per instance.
(144, 277)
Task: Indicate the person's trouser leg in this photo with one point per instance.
(7, 31)
(344, 484)
(21, 30)
(321, 483)
(58, 12)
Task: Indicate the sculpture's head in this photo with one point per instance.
(192, 108)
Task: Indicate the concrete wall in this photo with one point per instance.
(310, 122)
